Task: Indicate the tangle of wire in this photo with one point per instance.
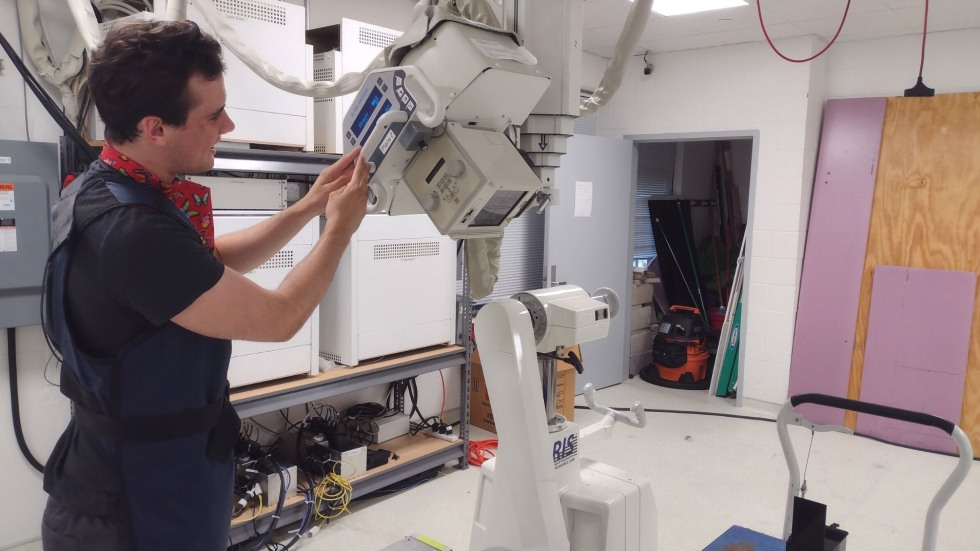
(424, 423)
(331, 497)
(480, 451)
(362, 420)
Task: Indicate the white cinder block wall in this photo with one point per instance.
(743, 89)
(888, 66)
(746, 88)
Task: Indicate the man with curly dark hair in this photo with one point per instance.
(142, 301)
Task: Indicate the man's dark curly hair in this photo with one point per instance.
(142, 69)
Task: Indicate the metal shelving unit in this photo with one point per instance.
(416, 454)
(271, 162)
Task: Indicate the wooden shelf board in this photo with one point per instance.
(408, 448)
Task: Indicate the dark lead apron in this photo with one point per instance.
(148, 448)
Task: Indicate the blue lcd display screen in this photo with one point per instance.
(384, 109)
(365, 115)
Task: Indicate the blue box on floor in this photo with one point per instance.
(743, 539)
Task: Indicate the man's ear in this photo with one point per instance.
(152, 129)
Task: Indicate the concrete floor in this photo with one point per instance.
(708, 473)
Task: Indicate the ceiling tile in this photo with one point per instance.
(734, 36)
(866, 19)
(666, 27)
(879, 23)
(895, 4)
(803, 10)
(605, 13)
(945, 16)
(679, 43)
(785, 30)
(737, 18)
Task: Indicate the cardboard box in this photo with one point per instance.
(641, 342)
(641, 317)
(642, 293)
(481, 413)
(639, 362)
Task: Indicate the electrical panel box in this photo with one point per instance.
(394, 290)
(256, 362)
(359, 44)
(29, 185)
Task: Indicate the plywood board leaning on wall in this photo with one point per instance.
(926, 213)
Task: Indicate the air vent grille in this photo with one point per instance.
(249, 10)
(323, 74)
(371, 37)
(282, 259)
(398, 251)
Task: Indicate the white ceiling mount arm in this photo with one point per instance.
(34, 42)
(479, 11)
(636, 21)
(85, 20)
(176, 10)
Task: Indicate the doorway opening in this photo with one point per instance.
(691, 210)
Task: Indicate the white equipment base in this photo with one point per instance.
(256, 362)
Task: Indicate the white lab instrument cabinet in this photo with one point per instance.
(358, 45)
(394, 290)
(255, 362)
(262, 113)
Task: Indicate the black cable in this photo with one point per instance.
(279, 505)
(692, 412)
(769, 420)
(15, 400)
(46, 101)
(303, 523)
(404, 484)
(46, 365)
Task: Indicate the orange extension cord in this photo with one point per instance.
(481, 450)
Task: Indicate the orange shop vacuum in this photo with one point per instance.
(680, 351)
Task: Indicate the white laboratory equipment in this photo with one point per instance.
(256, 362)
(394, 290)
(262, 114)
(359, 43)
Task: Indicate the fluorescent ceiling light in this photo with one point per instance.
(682, 7)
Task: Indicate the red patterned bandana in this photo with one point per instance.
(190, 197)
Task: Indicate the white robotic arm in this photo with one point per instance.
(537, 494)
